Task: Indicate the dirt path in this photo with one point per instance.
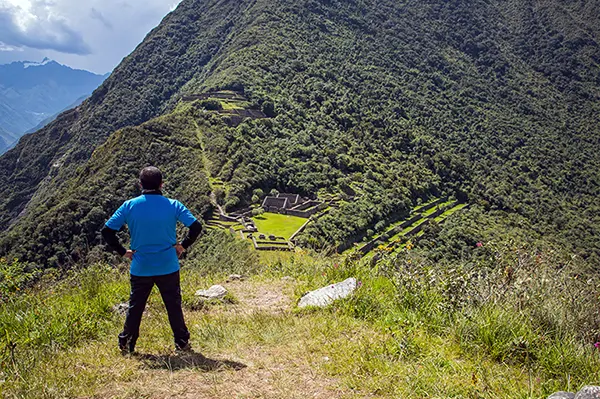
(275, 368)
(272, 297)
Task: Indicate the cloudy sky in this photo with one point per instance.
(86, 34)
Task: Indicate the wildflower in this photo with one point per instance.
(359, 284)
(335, 266)
(479, 244)
(597, 345)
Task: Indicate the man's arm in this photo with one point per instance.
(112, 226)
(110, 236)
(193, 234)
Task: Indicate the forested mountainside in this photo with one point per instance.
(494, 102)
(32, 92)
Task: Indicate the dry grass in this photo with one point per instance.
(266, 363)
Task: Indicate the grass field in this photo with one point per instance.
(400, 335)
(278, 225)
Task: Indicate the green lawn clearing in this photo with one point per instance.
(278, 225)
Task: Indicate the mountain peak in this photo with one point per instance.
(45, 61)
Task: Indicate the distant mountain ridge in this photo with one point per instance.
(32, 92)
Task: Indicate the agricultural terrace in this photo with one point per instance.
(437, 210)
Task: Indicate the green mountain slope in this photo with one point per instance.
(138, 90)
(65, 230)
(491, 101)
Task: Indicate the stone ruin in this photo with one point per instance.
(292, 204)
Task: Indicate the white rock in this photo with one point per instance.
(214, 292)
(235, 277)
(326, 295)
(562, 395)
(588, 392)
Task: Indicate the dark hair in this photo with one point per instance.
(150, 178)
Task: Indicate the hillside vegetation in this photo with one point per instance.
(390, 103)
(510, 327)
(376, 108)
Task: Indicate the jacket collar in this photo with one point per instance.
(151, 192)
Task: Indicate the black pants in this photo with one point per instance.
(170, 290)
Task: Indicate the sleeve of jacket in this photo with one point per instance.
(193, 234)
(110, 236)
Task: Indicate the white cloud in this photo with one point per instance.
(5, 47)
(88, 34)
(34, 25)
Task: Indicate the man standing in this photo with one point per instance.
(154, 255)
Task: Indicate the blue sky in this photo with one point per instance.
(86, 34)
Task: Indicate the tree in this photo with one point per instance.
(269, 109)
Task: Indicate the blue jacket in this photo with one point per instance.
(152, 221)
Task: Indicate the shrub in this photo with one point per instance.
(13, 277)
(211, 105)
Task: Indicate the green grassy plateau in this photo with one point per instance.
(278, 225)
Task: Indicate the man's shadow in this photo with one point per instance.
(187, 360)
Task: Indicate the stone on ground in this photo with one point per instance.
(326, 295)
(562, 395)
(235, 277)
(121, 308)
(214, 292)
(588, 392)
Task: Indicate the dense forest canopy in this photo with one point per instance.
(390, 102)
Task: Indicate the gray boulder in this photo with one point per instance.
(562, 395)
(326, 295)
(588, 392)
(214, 292)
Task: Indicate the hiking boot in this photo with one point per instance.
(126, 346)
(185, 348)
